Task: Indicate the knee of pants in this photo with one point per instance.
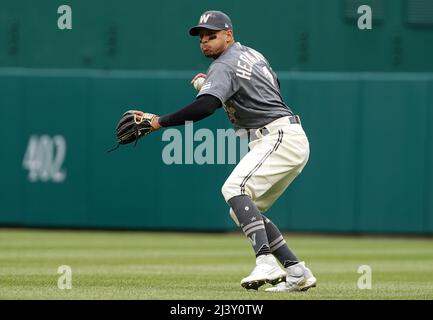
(233, 216)
(231, 189)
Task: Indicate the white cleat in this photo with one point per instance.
(299, 278)
(267, 270)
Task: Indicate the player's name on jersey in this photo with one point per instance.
(246, 62)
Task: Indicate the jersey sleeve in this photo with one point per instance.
(221, 82)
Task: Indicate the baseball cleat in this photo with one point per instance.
(299, 278)
(267, 270)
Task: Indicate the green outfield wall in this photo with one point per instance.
(297, 35)
(370, 168)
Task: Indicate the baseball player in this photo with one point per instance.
(241, 81)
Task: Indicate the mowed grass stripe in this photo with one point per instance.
(173, 266)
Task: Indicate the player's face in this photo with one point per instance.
(213, 43)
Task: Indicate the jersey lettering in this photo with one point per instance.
(247, 86)
(206, 86)
(246, 62)
(244, 70)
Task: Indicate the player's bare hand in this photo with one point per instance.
(154, 123)
(199, 75)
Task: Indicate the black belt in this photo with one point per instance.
(295, 120)
(264, 131)
(292, 120)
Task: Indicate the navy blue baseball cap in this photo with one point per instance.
(212, 20)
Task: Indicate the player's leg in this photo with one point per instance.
(278, 245)
(281, 168)
(240, 197)
(261, 177)
(251, 222)
(299, 277)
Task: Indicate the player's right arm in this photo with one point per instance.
(198, 75)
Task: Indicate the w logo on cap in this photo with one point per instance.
(204, 18)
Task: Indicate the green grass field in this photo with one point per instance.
(179, 266)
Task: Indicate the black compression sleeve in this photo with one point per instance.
(201, 108)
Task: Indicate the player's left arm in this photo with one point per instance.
(202, 107)
(221, 83)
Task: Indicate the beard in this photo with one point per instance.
(211, 55)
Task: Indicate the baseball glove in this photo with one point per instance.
(132, 126)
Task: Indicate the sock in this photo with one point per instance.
(278, 245)
(251, 222)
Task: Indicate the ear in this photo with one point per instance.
(229, 35)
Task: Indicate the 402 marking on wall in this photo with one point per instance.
(44, 158)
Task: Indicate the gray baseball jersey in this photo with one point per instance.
(247, 86)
